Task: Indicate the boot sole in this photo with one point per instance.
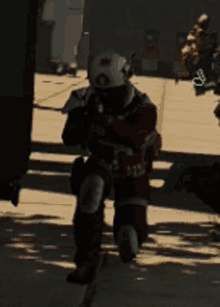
(127, 241)
(81, 276)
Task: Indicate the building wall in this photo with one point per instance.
(60, 38)
(84, 43)
(87, 15)
(120, 25)
(83, 51)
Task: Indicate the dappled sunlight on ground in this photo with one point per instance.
(162, 165)
(43, 239)
(38, 156)
(157, 183)
(176, 237)
(179, 258)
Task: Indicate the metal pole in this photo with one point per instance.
(161, 109)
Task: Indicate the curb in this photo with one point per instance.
(38, 102)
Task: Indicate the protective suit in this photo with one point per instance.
(117, 124)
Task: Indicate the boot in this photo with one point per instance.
(130, 230)
(127, 241)
(82, 275)
(88, 230)
(10, 191)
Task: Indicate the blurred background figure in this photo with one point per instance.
(68, 16)
(199, 50)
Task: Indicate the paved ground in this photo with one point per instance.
(178, 265)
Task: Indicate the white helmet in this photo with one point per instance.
(106, 70)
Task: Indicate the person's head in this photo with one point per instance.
(204, 21)
(107, 77)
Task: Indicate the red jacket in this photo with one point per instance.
(131, 132)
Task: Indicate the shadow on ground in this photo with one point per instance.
(182, 243)
(175, 256)
(37, 106)
(178, 263)
(54, 176)
(36, 255)
(43, 240)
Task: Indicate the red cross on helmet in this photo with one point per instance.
(105, 71)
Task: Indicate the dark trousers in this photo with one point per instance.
(206, 65)
(88, 228)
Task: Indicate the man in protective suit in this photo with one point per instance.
(188, 54)
(198, 53)
(116, 124)
(207, 44)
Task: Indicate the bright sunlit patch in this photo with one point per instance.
(150, 253)
(37, 156)
(160, 260)
(59, 264)
(19, 246)
(157, 183)
(162, 165)
(26, 257)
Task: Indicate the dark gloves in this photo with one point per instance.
(103, 118)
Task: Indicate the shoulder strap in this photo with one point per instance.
(139, 100)
(78, 98)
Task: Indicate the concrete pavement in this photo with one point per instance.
(178, 265)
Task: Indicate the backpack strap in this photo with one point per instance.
(78, 98)
(139, 100)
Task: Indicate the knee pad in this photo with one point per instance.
(127, 241)
(133, 215)
(91, 193)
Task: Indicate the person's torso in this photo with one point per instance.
(102, 134)
(103, 142)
